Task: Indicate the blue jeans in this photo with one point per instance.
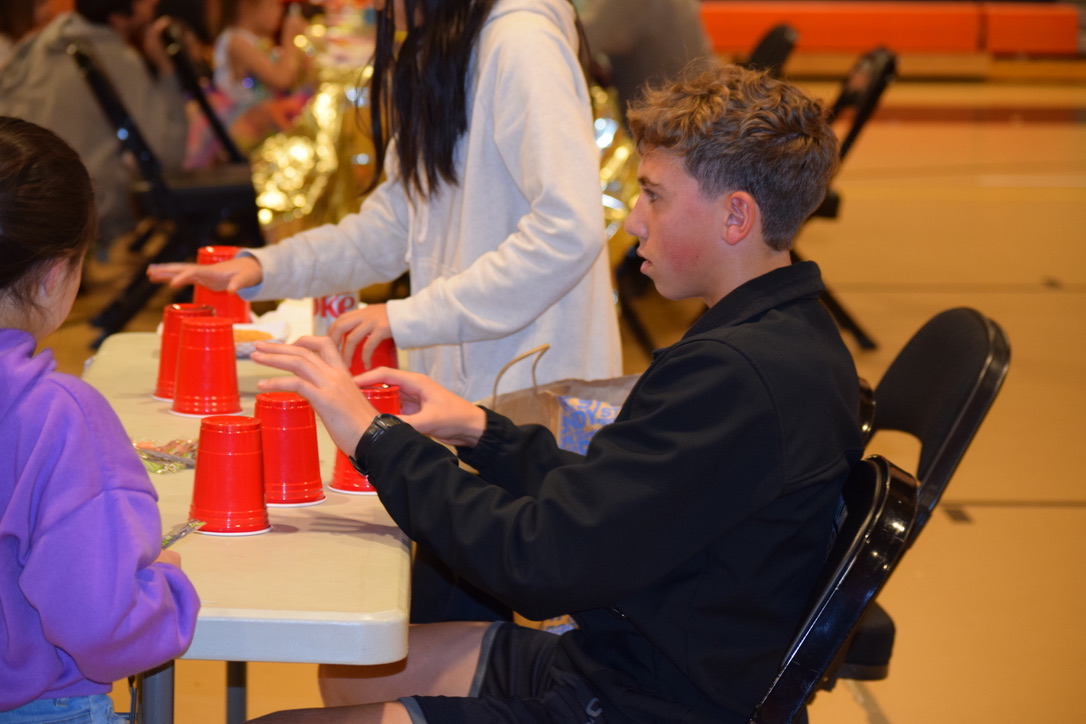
(96, 709)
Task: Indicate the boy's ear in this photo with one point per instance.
(742, 216)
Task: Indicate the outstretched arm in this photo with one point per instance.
(232, 275)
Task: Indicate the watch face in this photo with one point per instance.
(386, 421)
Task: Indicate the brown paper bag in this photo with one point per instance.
(571, 409)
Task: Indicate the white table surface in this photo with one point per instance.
(328, 584)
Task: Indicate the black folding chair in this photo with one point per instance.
(772, 51)
(859, 96)
(191, 205)
(938, 389)
(192, 80)
(880, 508)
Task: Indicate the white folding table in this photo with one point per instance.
(328, 584)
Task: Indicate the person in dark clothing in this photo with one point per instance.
(686, 541)
(193, 13)
(645, 42)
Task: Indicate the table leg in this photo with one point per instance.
(236, 685)
(156, 697)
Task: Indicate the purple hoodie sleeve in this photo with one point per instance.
(96, 531)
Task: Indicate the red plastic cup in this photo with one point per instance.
(207, 368)
(292, 468)
(227, 304)
(167, 356)
(228, 490)
(383, 356)
(345, 479)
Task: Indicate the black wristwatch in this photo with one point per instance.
(377, 428)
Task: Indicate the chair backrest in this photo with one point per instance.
(128, 133)
(772, 51)
(109, 100)
(939, 389)
(880, 508)
(173, 35)
(861, 91)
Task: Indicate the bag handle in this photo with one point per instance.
(537, 351)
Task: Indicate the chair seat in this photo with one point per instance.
(223, 189)
(224, 175)
(870, 648)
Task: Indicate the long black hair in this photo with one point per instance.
(419, 93)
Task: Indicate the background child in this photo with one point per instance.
(86, 595)
(250, 69)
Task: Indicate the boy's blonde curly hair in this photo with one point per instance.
(742, 130)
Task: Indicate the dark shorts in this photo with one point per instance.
(516, 682)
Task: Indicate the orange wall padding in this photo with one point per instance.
(920, 27)
(1050, 28)
(846, 26)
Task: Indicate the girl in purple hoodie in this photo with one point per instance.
(86, 595)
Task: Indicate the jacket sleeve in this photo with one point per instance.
(89, 570)
(655, 488)
(362, 249)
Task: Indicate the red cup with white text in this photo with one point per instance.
(328, 309)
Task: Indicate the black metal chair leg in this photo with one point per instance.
(846, 322)
(633, 322)
(630, 283)
(180, 246)
(125, 306)
(843, 319)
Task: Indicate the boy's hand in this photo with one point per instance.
(320, 376)
(430, 408)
